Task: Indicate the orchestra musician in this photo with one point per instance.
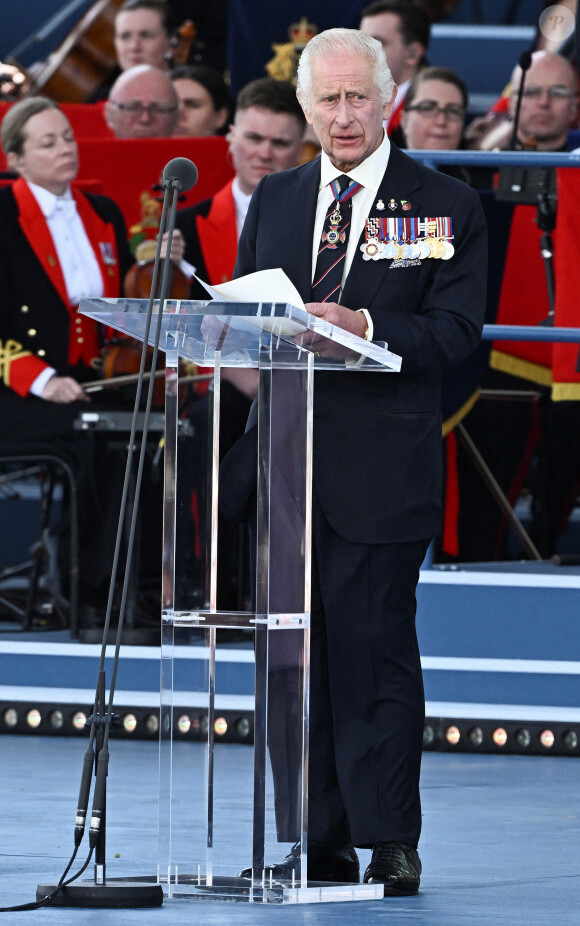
(57, 245)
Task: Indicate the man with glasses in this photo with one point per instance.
(548, 111)
(510, 434)
(143, 103)
(549, 102)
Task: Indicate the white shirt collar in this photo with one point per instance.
(47, 200)
(369, 173)
(242, 202)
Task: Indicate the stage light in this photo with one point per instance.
(499, 736)
(220, 726)
(129, 723)
(475, 736)
(547, 739)
(34, 718)
(10, 717)
(151, 723)
(570, 739)
(183, 723)
(56, 720)
(79, 719)
(428, 736)
(452, 735)
(243, 727)
(523, 737)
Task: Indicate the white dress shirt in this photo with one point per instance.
(80, 268)
(242, 203)
(369, 174)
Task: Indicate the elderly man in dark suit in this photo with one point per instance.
(391, 251)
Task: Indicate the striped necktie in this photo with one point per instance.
(332, 249)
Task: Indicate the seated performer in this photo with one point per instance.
(142, 30)
(265, 137)
(142, 104)
(204, 99)
(57, 246)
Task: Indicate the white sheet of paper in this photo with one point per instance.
(262, 286)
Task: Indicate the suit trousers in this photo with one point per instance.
(367, 705)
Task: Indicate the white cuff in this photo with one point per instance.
(41, 380)
(370, 326)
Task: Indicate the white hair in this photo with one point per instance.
(338, 42)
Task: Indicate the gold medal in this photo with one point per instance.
(436, 249)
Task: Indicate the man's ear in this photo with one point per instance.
(223, 114)
(388, 107)
(108, 119)
(12, 160)
(415, 52)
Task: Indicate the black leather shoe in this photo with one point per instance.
(397, 866)
(326, 862)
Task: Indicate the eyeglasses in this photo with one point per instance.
(554, 93)
(431, 109)
(136, 109)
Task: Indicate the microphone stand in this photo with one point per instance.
(546, 219)
(179, 175)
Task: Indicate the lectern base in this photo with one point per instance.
(113, 894)
(242, 890)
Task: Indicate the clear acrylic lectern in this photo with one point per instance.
(213, 823)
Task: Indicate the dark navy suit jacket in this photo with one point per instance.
(377, 436)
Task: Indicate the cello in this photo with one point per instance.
(86, 58)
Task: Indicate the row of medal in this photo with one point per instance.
(408, 238)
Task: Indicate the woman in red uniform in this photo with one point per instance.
(57, 245)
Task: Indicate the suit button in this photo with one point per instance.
(80, 340)
(31, 332)
(41, 353)
(24, 308)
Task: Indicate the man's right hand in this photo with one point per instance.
(63, 389)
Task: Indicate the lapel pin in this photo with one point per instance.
(392, 205)
(380, 205)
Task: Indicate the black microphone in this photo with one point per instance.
(180, 174)
(85, 787)
(524, 63)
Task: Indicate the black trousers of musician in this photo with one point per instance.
(367, 706)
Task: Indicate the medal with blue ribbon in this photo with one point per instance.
(336, 235)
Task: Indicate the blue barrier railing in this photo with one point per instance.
(529, 333)
(432, 157)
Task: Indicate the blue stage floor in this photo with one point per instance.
(500, 845)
